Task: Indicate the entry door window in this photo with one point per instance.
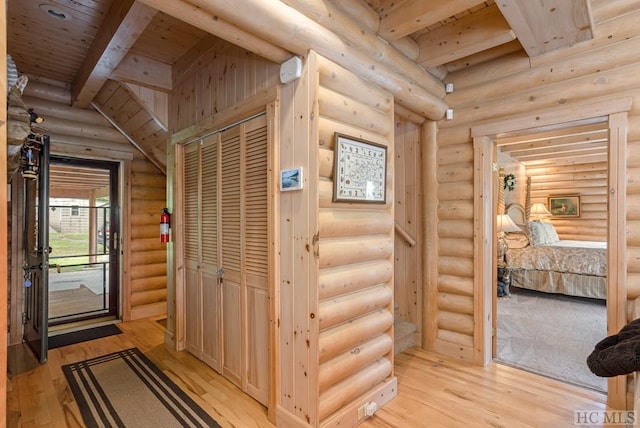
(82, 226)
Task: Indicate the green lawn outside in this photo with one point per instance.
(70, 244)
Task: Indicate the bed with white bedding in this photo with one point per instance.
(539, 260)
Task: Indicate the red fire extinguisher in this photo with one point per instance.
(165, 224)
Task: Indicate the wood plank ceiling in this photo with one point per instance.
(77, 182)
(81, 44)
(576, 143)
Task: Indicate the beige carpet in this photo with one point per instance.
(551, 335)
(125, 389)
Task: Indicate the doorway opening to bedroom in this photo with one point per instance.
(552, 279)
(613, 116)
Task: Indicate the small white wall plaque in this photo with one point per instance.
(291, 179)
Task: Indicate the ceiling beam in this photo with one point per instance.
(485, 56)
(410, 16)
(471, 34)
(143, 71)
(220, 28)
(542, 26)
(367, 41)
(67, 192)
(122, 26)
(284, 26)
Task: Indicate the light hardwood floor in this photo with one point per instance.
(433, 391)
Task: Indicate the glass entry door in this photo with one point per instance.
(83, 225)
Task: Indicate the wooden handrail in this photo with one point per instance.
(405, 235)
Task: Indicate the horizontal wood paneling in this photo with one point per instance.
(147, 263)
(589, 181)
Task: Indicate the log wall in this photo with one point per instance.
(146, 264)
(600, 69)
(587, 180)
(355, 327)
(335, 338)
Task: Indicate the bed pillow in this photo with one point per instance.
(542, 233)
(552, 235)
(517, 240)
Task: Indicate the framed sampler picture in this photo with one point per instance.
(360, 171)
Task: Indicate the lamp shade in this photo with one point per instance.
(538, 211)
(505, 224)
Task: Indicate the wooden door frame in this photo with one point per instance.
(266, 101)
(615, 113)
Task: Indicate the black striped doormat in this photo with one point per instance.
(125, 389)
(83, 335)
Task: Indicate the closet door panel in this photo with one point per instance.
(231, 255)
(232, 332)
(210, 212)
(193, 333)
(256, 258)
(226, 228)
(192, 203)
(191, 180)
(211, 351)
(211, 321)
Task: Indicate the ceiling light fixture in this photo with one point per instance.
(55, 12)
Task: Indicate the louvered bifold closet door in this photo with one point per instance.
(256, 262)
(210, 256)
(191, 194)
(231, 255)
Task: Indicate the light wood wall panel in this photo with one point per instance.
(601, 69)
(408, 195)
(213, 76)
(298, 223)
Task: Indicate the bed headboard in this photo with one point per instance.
(517, 213)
